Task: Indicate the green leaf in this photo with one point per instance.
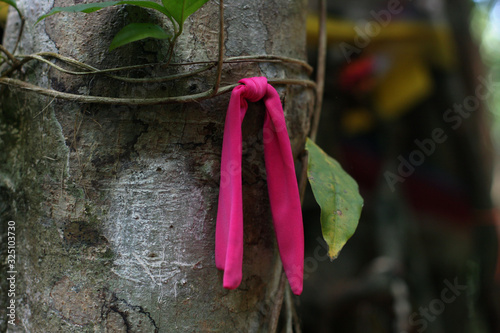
(92, 7)
(10, 2)
(338, 196)
(13, 4)
(181, 9)
(137, 31)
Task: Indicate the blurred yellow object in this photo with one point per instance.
(412, 47)
(356, 121)
(4, 9)
(404, 85)
(436, 40)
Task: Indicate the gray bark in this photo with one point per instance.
(115, 206)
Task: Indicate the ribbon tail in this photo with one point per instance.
(229, 226)
(283, 191)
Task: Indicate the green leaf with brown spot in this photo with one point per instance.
(337, 195)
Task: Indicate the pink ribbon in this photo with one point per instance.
(281, 183)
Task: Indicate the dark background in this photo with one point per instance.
(435, 226)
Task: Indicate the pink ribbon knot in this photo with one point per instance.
(281, 183)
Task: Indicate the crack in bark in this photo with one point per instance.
(115, 304)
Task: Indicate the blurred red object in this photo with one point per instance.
(355, 75)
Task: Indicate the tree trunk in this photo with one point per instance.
(115, 206)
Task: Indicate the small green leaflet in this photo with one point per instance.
(181, 9)
(137, 31)
(92, 7)
(337, 195)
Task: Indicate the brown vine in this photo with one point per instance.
(20, 60)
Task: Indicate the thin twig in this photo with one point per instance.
(221, 47)
(320, 73)
(45, 108)
(161, 78)
(251, 58)
(137, 101)
(320, 82)
(303, 175)
(277, 302)
(296, 320)
(9, 55)
(21, 28)
(14, 68)
(82, 65)
(170, 51)
(110, 100)
(93, 71)
(289, 311)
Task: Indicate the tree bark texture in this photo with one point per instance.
(115, 206)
